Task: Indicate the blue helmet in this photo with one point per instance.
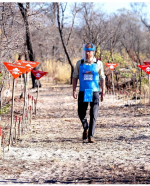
(89, 49)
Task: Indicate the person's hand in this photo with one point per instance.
(74, 94)
(102, 96)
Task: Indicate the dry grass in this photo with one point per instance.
(145, 89)
(59, 70)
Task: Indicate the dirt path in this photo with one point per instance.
(51, 149)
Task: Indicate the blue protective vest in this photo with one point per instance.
(89, 80)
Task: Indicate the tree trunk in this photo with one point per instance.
(24, 12)
(64, 46)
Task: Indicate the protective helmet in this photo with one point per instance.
(89, 47)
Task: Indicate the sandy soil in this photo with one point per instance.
(51, 149)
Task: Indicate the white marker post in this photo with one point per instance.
(12, 116)
(24, 107)
(113, 82)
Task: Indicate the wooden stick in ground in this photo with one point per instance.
(124, 97)
(30, 114)
(3, 143)
(37, 89)
(0, 143)
(28, 107)
(21, 79)
(35, 105)
(19, 127)
(113, 82)
(12, 115)
(26, 118)
(28, 99)
(0, 101)
(15, 127)
(136, 96)
(23, 117)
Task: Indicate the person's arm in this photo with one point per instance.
(75, 81)
(102, 81)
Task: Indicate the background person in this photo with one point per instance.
(90, 73)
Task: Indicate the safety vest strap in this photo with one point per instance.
(82, 61)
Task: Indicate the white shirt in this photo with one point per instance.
(99, 64)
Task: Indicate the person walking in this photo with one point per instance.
(90, 73)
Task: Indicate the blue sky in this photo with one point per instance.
(111, 7)
(107, 6)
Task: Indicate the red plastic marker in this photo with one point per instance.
(29, 64)
(111, 66)
(15, 70)
(146, 68)
(38, 74)
(146, 63)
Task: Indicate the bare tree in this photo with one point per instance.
(25, 11)
(60, 21)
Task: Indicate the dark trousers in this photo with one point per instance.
(82, 108)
